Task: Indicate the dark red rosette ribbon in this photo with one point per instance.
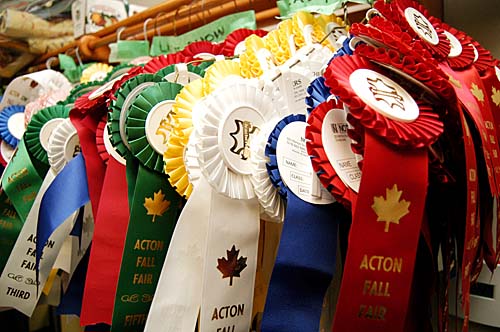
(237, 36)
(165, 60)
(411, 64)
(394, 11)
(422, 132)
(202, 46)
(319, 160)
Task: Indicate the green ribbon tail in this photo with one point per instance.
(22, 180)
(152, 221)
(10, 227)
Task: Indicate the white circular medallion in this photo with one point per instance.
(235, 135)
(384, 95)
(110, 148)
(71, 147)
(455, 45)
(158, 126)
(294, 165)
(476, 53)
(497, 71)
(421, 25)
(240, 48)
(337, 145)
(47, 130)
(15, 124)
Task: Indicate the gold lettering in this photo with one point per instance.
(143, 279)
(376, 288)
(373, 312)
(381, 263)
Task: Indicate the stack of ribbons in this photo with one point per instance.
(320, 176)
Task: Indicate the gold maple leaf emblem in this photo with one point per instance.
(455, 82)
(390, 209)
(156, 206)
(477, 92)
(495, 96)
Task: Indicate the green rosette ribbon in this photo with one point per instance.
(24, 175)
(79, 91)
(154, 207)
(120, 105)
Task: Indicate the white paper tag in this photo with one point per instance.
(384, 95)
(293, 85)
(421, 25)
(337, 145)
(295, 167)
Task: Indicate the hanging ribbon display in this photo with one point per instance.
(147, 129)
(229, 122)
(25, 260)
(299, 282)
(373, 295)
(22, 178)
(184, 260)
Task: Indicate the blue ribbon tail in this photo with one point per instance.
(65, 195)
(304, 267)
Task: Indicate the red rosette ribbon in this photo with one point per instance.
(237, 36)
(421, 132)
(425, 72)
(133, 72)
(165, 60)
(99, 139)
(202, 47)
(319, 159)
(430, 34)
(398, 129)
(465, 53)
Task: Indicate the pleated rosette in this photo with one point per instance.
(40, 128)
(462, 54)
(179, 160)
(234, 44)
(256, 59)
(414, 123)
(63, 146)
(118, 71)
(278, 169)
(181, 73)
(317, 93)
(271, 202)
(148, 124)
(413, 18)
(80, 90)
(221, 72)
(12, 124)
(119, 81)
(203, 50)
(233, 114)
(329, 147)
(158, 63)
(95, 72)
(120, 106)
